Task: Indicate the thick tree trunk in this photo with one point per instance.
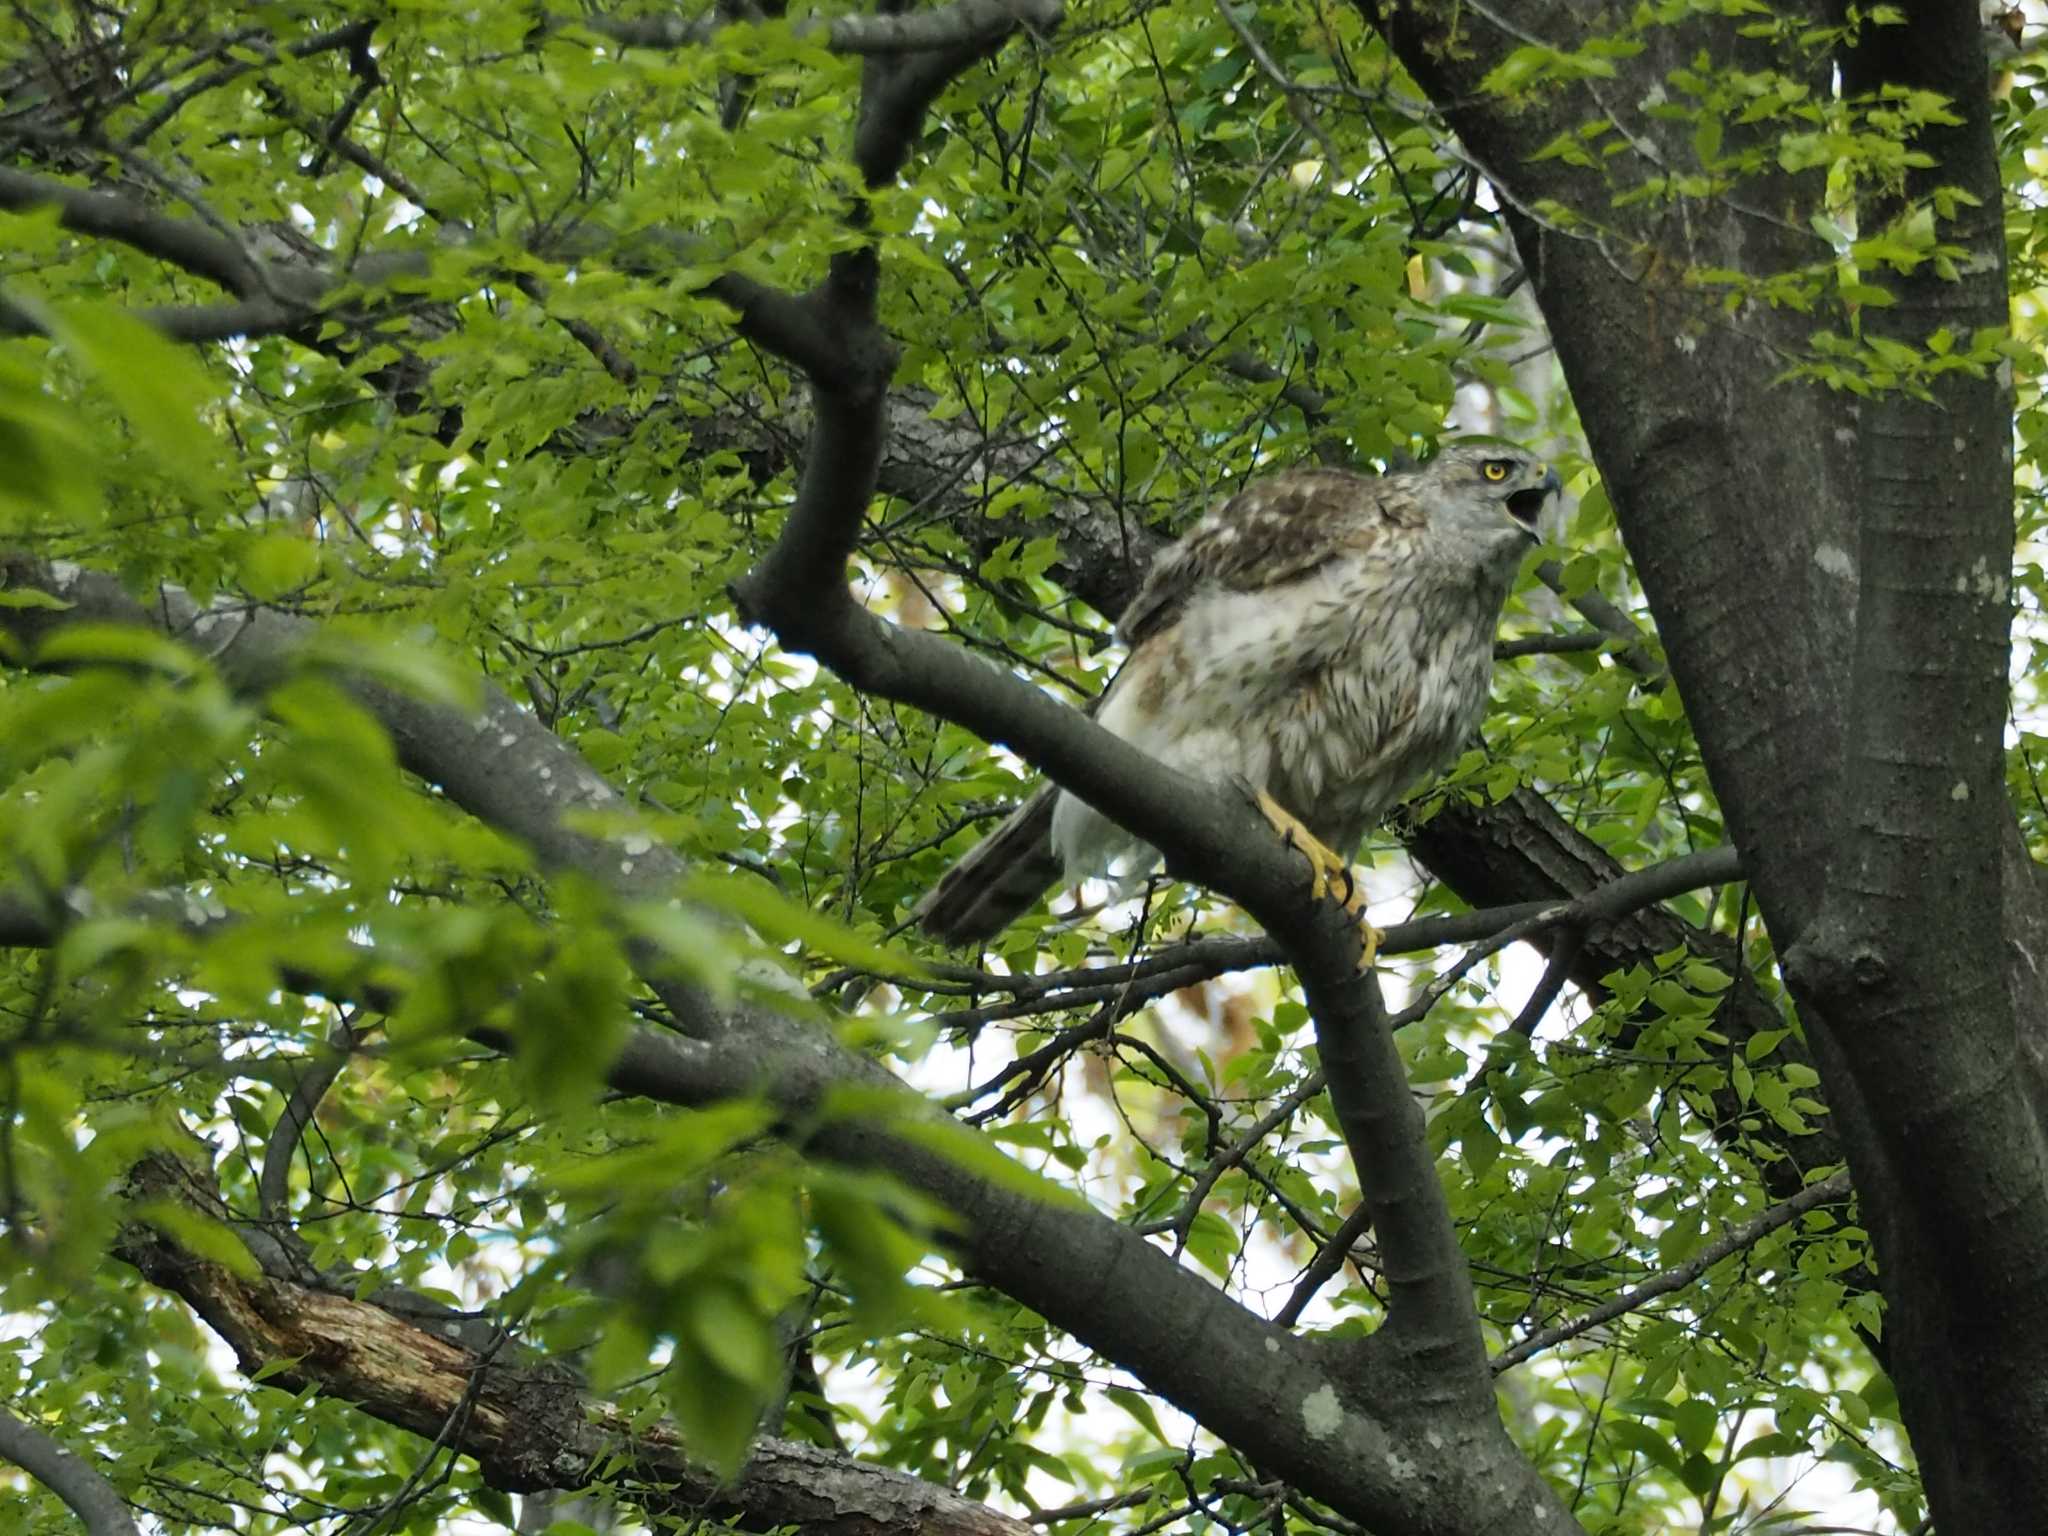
(1829, 577)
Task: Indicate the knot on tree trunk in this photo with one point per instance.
(1836, 963)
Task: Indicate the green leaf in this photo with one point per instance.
(206, 1239)
(868, 1244)
(779, 920)
(716, 1412)
(116, 644)
(1763, 1042)
(958, 1144)
(273, 564)
(31, 597)
(1648, 1442)
(159, 387)
(734, 1337)
(1140, 1408)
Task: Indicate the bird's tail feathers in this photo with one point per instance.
(999, 879)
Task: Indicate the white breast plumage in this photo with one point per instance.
(1334, 694)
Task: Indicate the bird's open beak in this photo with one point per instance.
(1526, 505)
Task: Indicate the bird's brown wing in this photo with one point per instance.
(1276, 529)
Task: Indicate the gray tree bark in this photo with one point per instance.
(1830, 580)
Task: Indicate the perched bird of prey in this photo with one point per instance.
(1324, 638)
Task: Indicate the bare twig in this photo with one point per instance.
(1191, 1205)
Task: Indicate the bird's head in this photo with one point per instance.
(1491, 492)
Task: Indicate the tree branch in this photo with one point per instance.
(1324, 1266)
(1233, 1155)
(194, 323)
(528, 1426)
(71, 1477)
(1205, 833)
(1088, 1274)
(1550, 645)
(963, 24)
(1914, 968)
(315, 1077)
(184, 243)
(1432, 1343)
(1181, 965)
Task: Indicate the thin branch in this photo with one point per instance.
(1184, 965)
(1034, 1066)
(1551, 645)
(1191, 1205)
(1556, 971)
(1835, 1187)
(315, 1078)
(1089, 1507)
(1710, 866)
(1631, 650)
(1324, 1266)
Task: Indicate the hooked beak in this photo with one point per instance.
(1526, 505)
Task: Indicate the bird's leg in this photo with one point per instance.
(1328, 868)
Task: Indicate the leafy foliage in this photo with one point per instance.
(516, 438)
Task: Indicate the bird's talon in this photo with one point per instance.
(1326, 869)
(1369, 939)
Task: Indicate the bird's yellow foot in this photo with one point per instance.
(1329, 873)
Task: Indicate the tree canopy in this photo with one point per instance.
(529, 539)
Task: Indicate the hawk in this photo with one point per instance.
(1324, 638)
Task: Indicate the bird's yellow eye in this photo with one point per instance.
(1495, 469)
